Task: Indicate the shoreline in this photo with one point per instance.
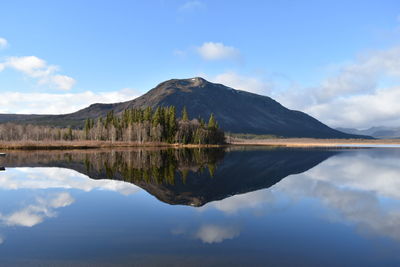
(85, 145)
(313, 142)
(284, 142)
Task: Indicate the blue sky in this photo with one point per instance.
(321, 57)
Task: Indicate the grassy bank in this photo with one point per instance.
(312, 142)
(288, 142)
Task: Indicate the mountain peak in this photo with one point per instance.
(185, 83)
(196, 81)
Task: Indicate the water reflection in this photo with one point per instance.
(180, 176)
(254, 206)
(46, 193)
(35, 213)
(362, 189)
(50, 178)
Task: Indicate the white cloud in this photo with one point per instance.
(38, 68)
(380, 107)
(217, 51)
(241, 82)
(30, 65)
(3, 43)
(46, 103)
(36, 213)
(211, 233)
(191, 5)
(361, 76)
(63, 82)
(354, 96)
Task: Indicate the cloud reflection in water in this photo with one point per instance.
(44, 207)
(360, 189)
(45, 178)
(34, 214)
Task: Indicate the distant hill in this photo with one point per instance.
(381, 132)
(236, 111)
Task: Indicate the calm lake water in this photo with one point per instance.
(214, 207)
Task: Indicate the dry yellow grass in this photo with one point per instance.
(311, 142)
(288, 142)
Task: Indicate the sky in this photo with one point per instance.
(339, 61)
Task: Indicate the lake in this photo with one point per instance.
(237, 206)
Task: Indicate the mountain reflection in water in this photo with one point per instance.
(182, 176)
(254, 207)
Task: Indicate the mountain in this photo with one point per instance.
(381, 132)
(236, 111)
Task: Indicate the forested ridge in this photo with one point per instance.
(133, 125)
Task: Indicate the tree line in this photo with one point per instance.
(146, 125)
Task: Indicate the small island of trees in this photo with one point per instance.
(141, 126)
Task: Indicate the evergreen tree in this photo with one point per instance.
(156, 117)
(202, 122)
(172, 125)
(185, 115)
(212, 124)
(87, 128)
(148, 114)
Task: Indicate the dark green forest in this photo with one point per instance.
(160, 125)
